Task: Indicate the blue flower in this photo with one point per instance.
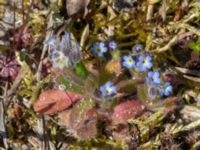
(58, 59)
(137, 47)
(144, 63)
(112, 44)
(108, 89)
(166, 90)
(99, 49)
(128, 62)
(66, 36)
(51, 41)
(153, 78)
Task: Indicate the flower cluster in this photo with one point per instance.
(64, 52)
(143, 64)
(99, 48)
(153, 79)
(138, 63)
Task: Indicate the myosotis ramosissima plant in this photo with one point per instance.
(137, 63)
(60, 55)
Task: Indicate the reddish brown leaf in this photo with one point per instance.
(81, 119)
(127, 110)
(53, 101)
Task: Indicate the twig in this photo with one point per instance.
(2, 119)
(173, 41)
(168, 45)
(151, 8)
(44, 50)
(149, 12)
(163, 10)
(41, 133)
(195, 79)
(188, 71)
(191, 28)
(13, 88)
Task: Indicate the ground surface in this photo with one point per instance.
(104, 74)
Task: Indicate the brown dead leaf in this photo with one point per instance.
(76, 7)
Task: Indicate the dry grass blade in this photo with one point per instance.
(195, 79)
(188, 71)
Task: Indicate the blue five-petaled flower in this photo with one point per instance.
(128, 62)
(99, 48)
(166, 90)
(153, 78)
(112, 44)
(144, 63)
(108, 89)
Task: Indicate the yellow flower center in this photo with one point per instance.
(129, 61)
(143, 62)
(107, 91)
(98, 49)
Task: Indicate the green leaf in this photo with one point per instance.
(127, 86)
(195, 46)
(32, 113)
(22, 55)
(142, 92)
(71, 87)
(29, 77)
(26, 92)
(81, 70)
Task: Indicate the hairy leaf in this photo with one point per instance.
(81, 119)
(53, 101)
(127, 110)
